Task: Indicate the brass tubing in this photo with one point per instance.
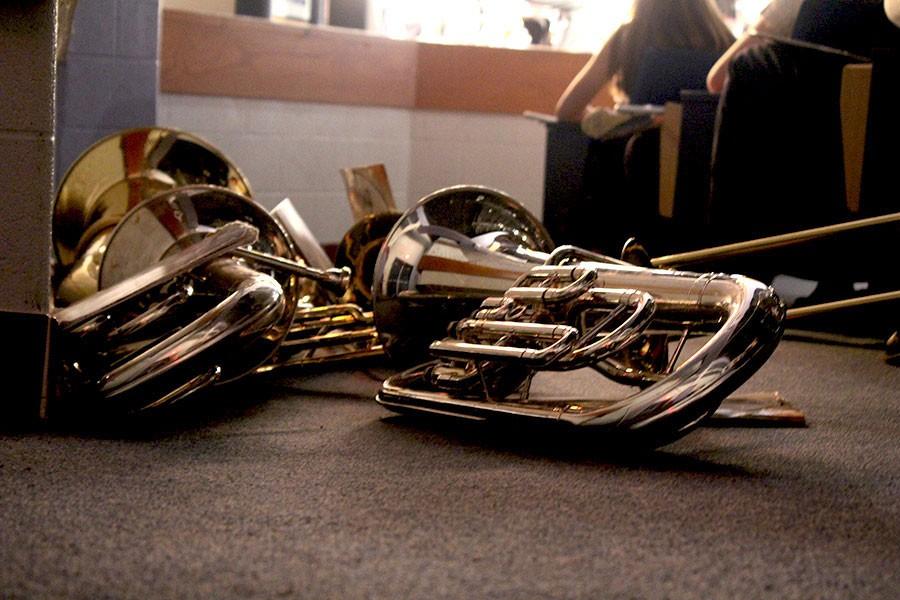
(464, 350)
(535, 331)
(775, 241)
(317, 324)
(221, 241)
(541, 295)
(337, 278)
(254, 304)
(322, 312)
(326, 359)
(642, 306)
(564, 253)
(331, 339)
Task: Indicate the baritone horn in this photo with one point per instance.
(169, 278)
(151, 302)
(475, 256)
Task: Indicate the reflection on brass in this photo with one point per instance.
(331, 325)
(358, 250)
(368, 190)
(115, 175)
(175, 279)
(121, 170)
(374, 214)
(174, 311)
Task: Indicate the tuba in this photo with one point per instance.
(169, 278)
(473, 259)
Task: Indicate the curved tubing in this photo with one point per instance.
(570, 349)
(223, 240)
(753, 322)
(254, 305)
(694, 390)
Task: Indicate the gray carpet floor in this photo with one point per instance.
(301, 486)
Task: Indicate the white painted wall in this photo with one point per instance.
(296, 150)
(501, 151)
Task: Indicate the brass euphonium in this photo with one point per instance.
(170, 278)
(473, 255)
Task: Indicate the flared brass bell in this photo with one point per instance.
(113, 176)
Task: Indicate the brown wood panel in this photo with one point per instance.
(472, 78)
(219, 55)
(255, 58)
(856, 86)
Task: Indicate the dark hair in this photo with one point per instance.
(694, 24)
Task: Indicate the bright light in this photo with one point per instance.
(747, 12)
(499, 22)
(593, 23)
(582, 26)
(291, 9)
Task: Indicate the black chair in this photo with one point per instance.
(588, 198)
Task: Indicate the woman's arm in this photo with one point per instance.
(718, 74)
(582, 89)
(892, 10)
(777, 19)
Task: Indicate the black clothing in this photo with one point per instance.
(778, 154)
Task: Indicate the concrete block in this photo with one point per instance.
(137, 29)
(26, 69)
(94, 28)
(103, 92)
(26, 179)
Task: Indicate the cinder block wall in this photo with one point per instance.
(287, 149)
(296, 150)
(27, 71)
(27, 76)
(109, 78)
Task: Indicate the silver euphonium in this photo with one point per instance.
(474, 256)
(169, 277)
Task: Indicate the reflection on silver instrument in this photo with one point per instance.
(374, 214)
(473, 255)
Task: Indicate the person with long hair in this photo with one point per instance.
(659, 24)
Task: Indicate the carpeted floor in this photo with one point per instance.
(298, 486)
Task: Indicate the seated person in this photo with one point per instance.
(855, 26)
(683, 24)
(778, 154)
(778, 157)
(621, 176)
(776, 20)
